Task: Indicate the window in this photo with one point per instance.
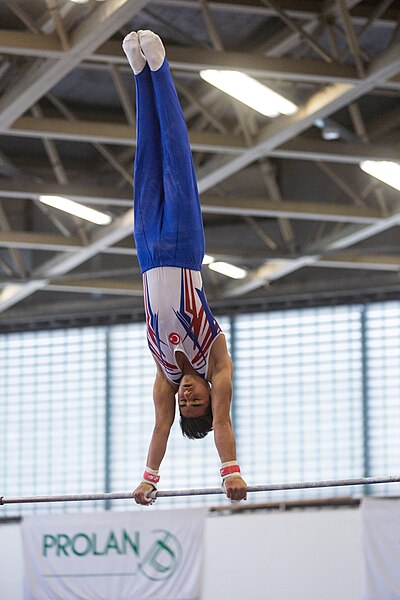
(383, 364)
(316, 396)
(299, 396)
(52, 390)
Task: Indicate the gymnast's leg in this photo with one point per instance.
(182, 229)
(148, 172)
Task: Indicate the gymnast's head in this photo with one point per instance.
(194, 403)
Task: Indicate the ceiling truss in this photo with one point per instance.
(319, 50)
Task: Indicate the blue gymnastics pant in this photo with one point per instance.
(168, 225)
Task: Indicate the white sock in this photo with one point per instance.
(133, 52)
(152, 48)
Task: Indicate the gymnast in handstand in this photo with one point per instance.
(184, 338)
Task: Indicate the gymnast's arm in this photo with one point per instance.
(164, 405)
(224, 437)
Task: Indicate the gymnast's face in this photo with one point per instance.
(193, 396)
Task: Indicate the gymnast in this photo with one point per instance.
(184, 338)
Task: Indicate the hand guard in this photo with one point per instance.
(152, 477)
(227, 470)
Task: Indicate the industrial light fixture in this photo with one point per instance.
(329, 129)
(249, 91)
(74, 208)
(330, 132)
(228, 270)
(384, 170)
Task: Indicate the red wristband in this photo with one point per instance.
(151, 477)
(229, 469)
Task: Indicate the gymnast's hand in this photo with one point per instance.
(235, 488)
(142, 494)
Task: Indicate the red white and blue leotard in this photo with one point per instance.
(178, 318)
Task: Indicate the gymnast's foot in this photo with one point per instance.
(153, 49)
(133, 52)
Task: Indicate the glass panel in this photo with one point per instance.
(383, 343)
(298, 397)
(297, 407)
(52, 419)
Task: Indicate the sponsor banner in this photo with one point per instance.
(153, 555)
(381, 542)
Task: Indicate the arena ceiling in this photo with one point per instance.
(279, 197)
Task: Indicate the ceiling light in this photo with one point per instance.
(79, 210)
(329, 129)
(80, 1)
(207, 260)
(330, 132)
(386, 171)
(249, 91)
(9, 291)
(228, 270)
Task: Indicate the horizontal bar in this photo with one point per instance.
(273, 487)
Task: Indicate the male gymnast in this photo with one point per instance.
(186, 342)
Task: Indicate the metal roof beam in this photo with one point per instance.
(347, 237)
(194, 59)
(97, 286)
(38, 78)
(188, 59)
(368, 262)
(64, 262)
(301, 148)
(322, 104)
(115, 133)
(296, 9)
(122, 287)
(263, 207)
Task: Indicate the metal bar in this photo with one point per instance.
(339, 181)
(272, 245)
(47, 211)
(125, 99)
(69, 115)
(54, 11)
(361, 130)
(107, 420)
(183, 34)
(272, 487)
(15, 254)
(200, 106)
(5, 267)
(299, 30)
(351, 37)
(377, 12)
(365, 396)
(58, 170)
(212, 30)
(45, 74)
(332, 39)
(22, 16)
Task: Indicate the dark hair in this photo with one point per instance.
(196, 428)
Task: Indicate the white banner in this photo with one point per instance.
(381, 541)
(134, 555)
